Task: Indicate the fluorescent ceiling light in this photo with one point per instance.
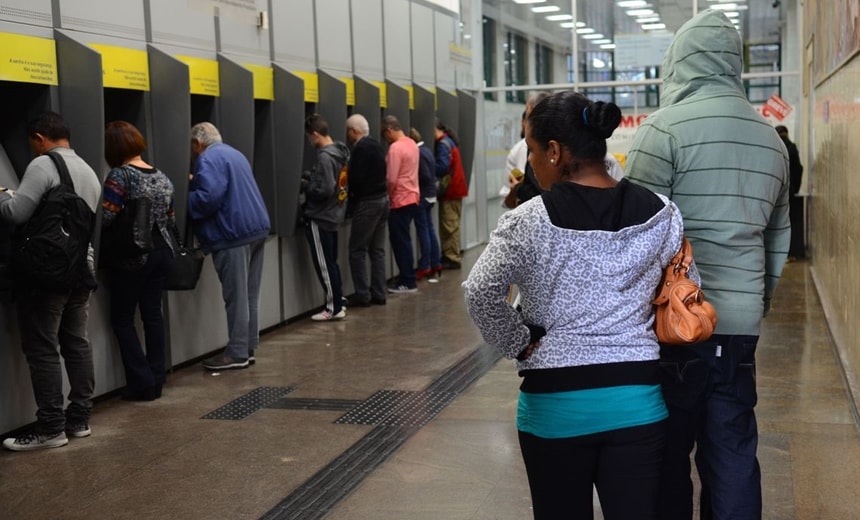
(569, 25)
(608, 46)
(649, 19)
(585, 30)
(732, 14)
(597, 63)
(725, 7)
(529, 1)
(604, 40)
(546, 9)
(632, 3)
(641, 12)
(595, 36)
(653, 26)
(559, 17)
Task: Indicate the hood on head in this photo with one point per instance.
(706, 51)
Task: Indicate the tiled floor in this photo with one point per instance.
(437, 442)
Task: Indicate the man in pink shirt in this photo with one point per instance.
(402, 175)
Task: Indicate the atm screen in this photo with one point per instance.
(8, 177)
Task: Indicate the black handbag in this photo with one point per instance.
(130, 234)
(184, 271)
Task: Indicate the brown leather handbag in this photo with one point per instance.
(682, 316)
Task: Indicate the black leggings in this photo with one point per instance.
(623, 464)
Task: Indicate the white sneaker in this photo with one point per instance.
(36, 441)
(327, 316)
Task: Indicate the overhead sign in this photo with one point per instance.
(777, 108)
(641, 50)
(124, 68)
(28, 59)
(202, 75)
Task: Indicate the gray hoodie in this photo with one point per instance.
(321, 190)
(713, 155)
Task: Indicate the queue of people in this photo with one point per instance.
(603, 404)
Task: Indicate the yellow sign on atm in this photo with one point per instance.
(312, 85)
(264, 81)
(350, 90)
(28, 59)
(383, 93)
(202, 75)
(124, 68)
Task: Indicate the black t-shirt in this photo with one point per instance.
(574, 206)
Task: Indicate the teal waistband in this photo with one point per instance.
(583, 412)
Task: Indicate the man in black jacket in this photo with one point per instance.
(368, 208)
(797, 249)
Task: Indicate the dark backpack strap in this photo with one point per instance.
(62, 169)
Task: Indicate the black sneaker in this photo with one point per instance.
(78, 430)
(251, 358)
(36, 441)
(222, 362)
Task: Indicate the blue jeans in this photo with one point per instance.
(143, 288)
(427, 239)
(367, 237)
(324, 254)
(710, 392)
(399, 227)
(240, 270)
(46, 319)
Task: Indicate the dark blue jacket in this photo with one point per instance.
(426, 171)
(224, 201)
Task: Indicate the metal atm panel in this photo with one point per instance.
(398, 103)
(236, 106)
(289, 125)
(466, 130)
(424, 114)
(332, 105)
(367, 104)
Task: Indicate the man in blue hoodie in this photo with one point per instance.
(723, 165)
(324, 210)
(230, 221)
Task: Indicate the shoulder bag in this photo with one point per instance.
(682, 316)
(184, 271)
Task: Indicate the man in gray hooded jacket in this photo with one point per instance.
(727, 170)
(324, 210)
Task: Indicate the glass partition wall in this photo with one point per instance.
(610, 50)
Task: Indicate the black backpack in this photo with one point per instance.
(49, 251)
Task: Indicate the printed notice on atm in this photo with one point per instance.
(124, 68)
(28, 59)
(202, 75)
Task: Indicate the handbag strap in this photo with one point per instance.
(676, 270)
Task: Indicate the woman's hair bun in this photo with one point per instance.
(602, 118)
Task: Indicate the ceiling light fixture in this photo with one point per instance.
(529, 1)
(732, 14)
(559, 17)
(595, 36)
(629, 4)
(649, 19)
(566, 25)
(641, 12)
(546, 9)
(725, 7)
(608, 46)
(585, 30)
(598, 42)
(653, 26)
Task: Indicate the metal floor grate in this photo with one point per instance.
(398, 408)
(242, 407)
(400, 415)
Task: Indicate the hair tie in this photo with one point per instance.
(585, 116)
